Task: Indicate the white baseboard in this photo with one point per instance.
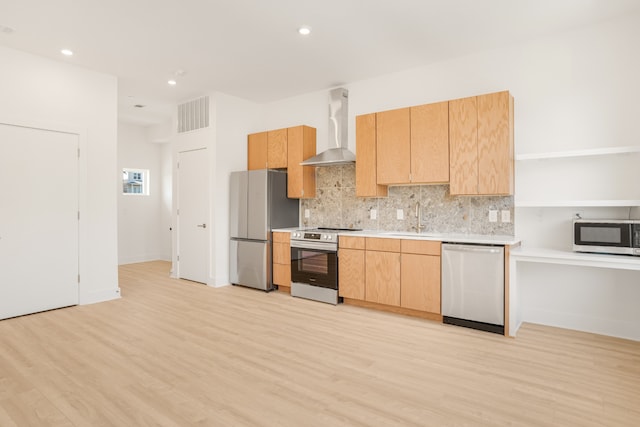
(142, 258)
(100, 296)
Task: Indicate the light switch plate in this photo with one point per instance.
(373, 214)
(505, 216)
(307, 214)
(399, 214)
(493, 216)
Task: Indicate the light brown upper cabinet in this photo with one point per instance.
(430, 143)
(393, 146)
(277, 149)
(366, 176)
(301, 145)
(481, 145)
(267, 150)
(413, 145)
(257, 151)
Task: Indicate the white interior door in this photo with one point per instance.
(193, 215)
(38, 220)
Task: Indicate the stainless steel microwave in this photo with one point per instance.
(607, 236)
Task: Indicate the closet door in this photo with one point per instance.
(38, 220)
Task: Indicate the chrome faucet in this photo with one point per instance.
(420, 225)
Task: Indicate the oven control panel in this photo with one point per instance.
(301, 235)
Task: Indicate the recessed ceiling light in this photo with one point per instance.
(66, 52)
(172, 82)
(304, 31)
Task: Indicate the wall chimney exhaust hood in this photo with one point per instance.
(338, 153)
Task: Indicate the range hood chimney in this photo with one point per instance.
(338, 153)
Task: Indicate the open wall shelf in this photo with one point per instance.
(579, 153)
(575, 203)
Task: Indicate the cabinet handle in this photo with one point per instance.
(202, 225)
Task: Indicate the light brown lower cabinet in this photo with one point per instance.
(351, 273)
(391, 272)
(383, 278)
(282, 260)
(420, 282)
(383, 271)
(420, 275)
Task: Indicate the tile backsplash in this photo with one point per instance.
(336, 205)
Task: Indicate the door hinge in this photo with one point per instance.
(178, 165)
(78, 215)
(178, 258)
(78, 278)
(78, 153)
(177, 211)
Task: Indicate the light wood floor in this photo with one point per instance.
(176, 353)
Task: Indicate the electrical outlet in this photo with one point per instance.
(493, 216)
(373, 214)
(505, 216)
(307, 213)
(399, 214)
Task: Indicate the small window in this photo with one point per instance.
(135, 181)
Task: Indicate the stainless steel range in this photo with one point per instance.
(314, 263)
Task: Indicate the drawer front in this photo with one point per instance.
(281, 237)
(349, 242)
(382, 244)
(421, 247)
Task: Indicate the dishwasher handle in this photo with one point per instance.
(470, 248)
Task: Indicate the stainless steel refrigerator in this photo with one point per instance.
(258, 204)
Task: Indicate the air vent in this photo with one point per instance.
(193, 115)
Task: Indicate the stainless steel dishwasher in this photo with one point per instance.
(473, 286)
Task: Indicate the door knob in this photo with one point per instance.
(202, 225)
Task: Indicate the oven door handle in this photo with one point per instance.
(324, 246)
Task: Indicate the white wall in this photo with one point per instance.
(572, 91)
(232, 119)
(42, 92)
(143, 232)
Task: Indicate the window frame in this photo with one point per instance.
(130, 174)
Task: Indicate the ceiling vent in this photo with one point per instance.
(193, 115)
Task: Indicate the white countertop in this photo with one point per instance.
(553, 256)
(484, 239)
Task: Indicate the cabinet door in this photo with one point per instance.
(463, 146)
(277, 149)
(281, 253)
(393, 146)
(495, 144)
(430, 143)
(366, 176)
(383, 277)
(301, 180)
(257, 151)
(420, 284)
(282, 275)
(351, 273)
(281, 259)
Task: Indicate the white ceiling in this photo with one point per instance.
(251, 48)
